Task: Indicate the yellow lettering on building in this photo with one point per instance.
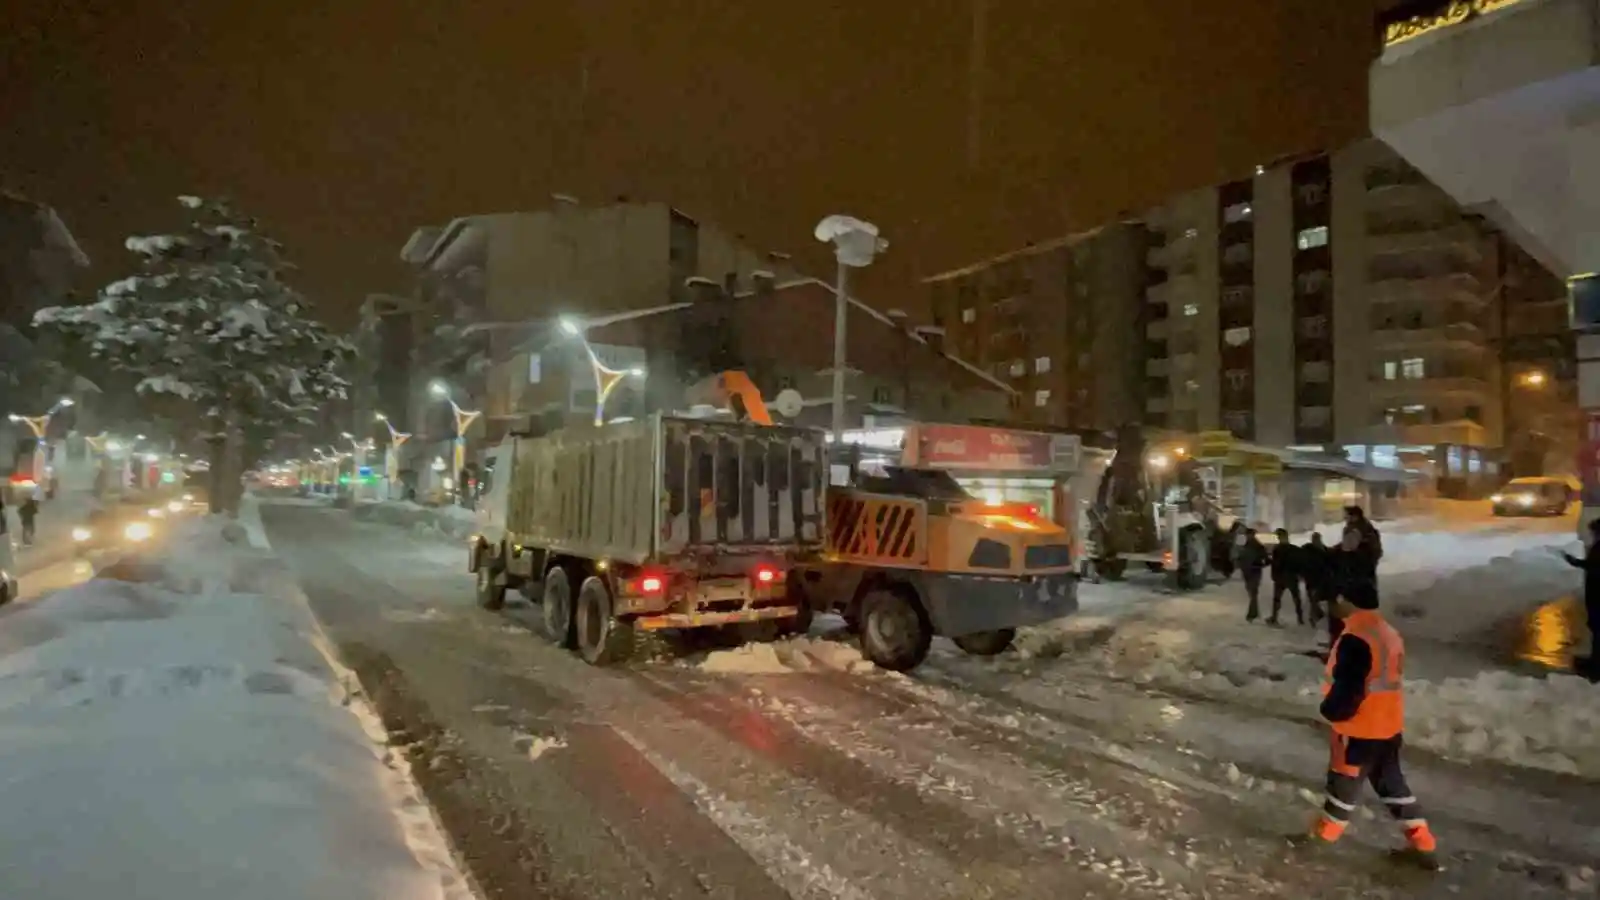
(1451, 16)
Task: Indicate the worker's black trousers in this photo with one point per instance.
(1292, 585)
(1353, 760)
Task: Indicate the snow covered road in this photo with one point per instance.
(664, 779)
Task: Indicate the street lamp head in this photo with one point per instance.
(380, 417)
(64, 402)
(14, 417)
(438, 389)
(571, 326)
(348, 435)
(138, 437)
(637, 371)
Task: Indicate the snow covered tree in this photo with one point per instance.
(210, 319)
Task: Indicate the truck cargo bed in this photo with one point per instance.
(666, 487)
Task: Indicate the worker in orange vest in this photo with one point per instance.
(1362, 700)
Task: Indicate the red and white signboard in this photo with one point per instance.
(979, 448)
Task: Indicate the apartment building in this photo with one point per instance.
(1062, 323)
(486, 285)
(1340, 299)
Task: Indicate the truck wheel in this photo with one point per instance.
(491, 595)
(987, 643)
(557, 605)
(1111, 569)
(895, 632)
(602, 638)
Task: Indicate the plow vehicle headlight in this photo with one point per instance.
(1496, 498)
(175, 506)
(81, 534)
(138, 531)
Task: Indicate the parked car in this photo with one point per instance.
(1534, 496)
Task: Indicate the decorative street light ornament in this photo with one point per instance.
(854, 241)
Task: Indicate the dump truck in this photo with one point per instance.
(664, 522)
(909, 554)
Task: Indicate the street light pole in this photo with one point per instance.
(464, 419)
(391, 455)
(606, 378)
(40, 426)
(855, 243)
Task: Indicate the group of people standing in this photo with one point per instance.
(1347, 569)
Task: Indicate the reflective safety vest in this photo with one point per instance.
(1382, 711)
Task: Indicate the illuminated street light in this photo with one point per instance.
(855, 244)
(40, 426)
(464, 420)
(1533, 379)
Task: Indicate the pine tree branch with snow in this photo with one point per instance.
(210, 318)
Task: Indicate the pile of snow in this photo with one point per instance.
(451, 522)
(181, 730)
(1548, 723)
(799, 654)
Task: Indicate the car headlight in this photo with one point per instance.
(1496, 498)
(175, 506)
(138, 531)
(1525, 499)
(156, 512)
(81, 534)
(188, 498)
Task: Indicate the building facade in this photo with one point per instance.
(1062, 323)
(488, 286)
(780, 333)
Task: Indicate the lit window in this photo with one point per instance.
(1391, 370)
(969, 315)
(1236, 337)
(1018, 368)
(1191, 385)
(1239, 212)
(1312, 237)
(1412, 368)
(1191, 232)
(1041, 365)
(1191, 309)
(1041, 398)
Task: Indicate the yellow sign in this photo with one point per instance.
(1451, 15)
(1214, 445)
(1266, 464)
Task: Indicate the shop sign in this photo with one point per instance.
(1214, 445)
(977, 447)
(1589, 458)
(1415, 20)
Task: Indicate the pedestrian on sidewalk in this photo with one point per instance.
(1371, 539)
(1285, 577)
(1364, 705)
(1314, 569)
(28, 514)
(1590, 564)
(1251, 559)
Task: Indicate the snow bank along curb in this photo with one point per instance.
(425, 834)
(452, 522)
(197, 688)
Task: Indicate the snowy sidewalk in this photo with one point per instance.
(448, 522)
(182, 734)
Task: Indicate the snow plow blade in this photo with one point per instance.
(967, 604)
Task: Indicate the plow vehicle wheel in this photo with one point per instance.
(987, 643)
(603, 639)
(558, 607)
(895, 632)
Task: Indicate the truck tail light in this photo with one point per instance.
(765, 575)
(651, 584)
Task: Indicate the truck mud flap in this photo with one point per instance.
(967, 604)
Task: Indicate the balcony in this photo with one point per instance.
(1458, 287)
(1461, 432)
(1156, 368)
(1157, 330)
(1180, 245)
(1456, 334)
(1157, 405)
(1387, 195)
(1459, 240)
(1174, 291)
(1413, 389)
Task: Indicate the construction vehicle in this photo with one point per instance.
(909, 554)
(664, 522)
(1165, 519)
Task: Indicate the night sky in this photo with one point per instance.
(345, 123)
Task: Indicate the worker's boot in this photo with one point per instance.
(1324, 832)
(1422, 849)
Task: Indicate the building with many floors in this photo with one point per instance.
(1060, 322)
(1329, 300)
